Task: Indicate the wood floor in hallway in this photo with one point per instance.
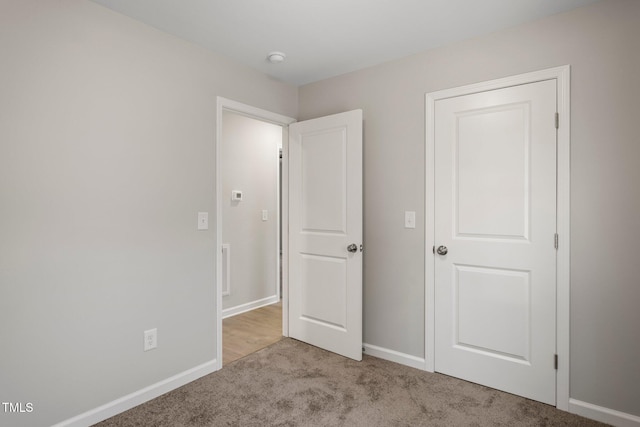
(249, 332)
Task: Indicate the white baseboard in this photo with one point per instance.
(394, 356)
(587, 410)
(243, 308)
(602, 414)
(136, 398)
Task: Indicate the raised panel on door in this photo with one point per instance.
(495, 212)
(492, 311)
(323, 290)
(491, 173)
(325, 217)
(324, 182)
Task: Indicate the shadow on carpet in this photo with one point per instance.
(294, 384)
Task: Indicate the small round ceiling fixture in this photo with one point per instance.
(276, 57)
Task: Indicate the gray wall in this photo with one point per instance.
(107, 131)
(107, 134)
(600, 42)
(249, 162)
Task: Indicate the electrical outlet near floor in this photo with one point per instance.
(150, 339)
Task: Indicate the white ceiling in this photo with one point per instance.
(324, 38)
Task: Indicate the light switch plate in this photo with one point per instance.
(265, 214)
(203, 220)
(409, 219)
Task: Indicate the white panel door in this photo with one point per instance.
(325, 219)
(495, 217)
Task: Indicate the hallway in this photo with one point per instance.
(249, 332)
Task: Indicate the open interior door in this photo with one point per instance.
(325, 233)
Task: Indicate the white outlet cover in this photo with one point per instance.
(150, 339)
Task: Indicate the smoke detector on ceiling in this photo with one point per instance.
(276, 57)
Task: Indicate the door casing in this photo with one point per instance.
(562, 77)
(224, 104)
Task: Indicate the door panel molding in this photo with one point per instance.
(562, 77)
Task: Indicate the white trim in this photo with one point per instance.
(139, 397)
(562, 77)
(224, 104)
(278, 219)
(602, 414)
(394, 356)
(254, 112)
(243, 308)
(285, 231)
(226, 260)
(429, 236)
(563, 272)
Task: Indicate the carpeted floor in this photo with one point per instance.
(293, 384)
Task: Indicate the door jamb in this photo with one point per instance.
(563, 272)
(224, 104)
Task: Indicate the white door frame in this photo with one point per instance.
(224, 104)
(562, 76)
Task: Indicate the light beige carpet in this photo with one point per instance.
(293, 384)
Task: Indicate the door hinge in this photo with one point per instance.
(555, 361)
(557, 118)
(555, 240)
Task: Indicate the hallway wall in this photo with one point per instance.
(249, 160)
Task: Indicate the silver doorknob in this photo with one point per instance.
(442, 250)
(353, 248)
